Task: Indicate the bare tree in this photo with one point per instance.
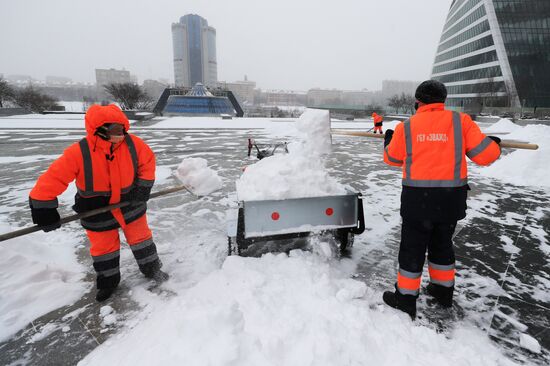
(34, 100)
(129, 96)
(7, 93)
(407, 103)
(395, 102)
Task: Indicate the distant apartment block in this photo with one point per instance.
(393, 87)
(244, 90)
(111, 76)
(495, 52)
(357, 97)
(319, 97)
(194, 45)
(58, 80)
(19, 79)
(154, 88)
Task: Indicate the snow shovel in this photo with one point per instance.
(82, 215)
(503, 143)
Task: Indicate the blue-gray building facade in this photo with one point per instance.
(194, 45)
(495, 53)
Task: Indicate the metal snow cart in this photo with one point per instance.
(256, 225)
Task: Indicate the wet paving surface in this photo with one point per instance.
(502, 247)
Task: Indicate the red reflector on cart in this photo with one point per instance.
(275, 216)
(329, 211)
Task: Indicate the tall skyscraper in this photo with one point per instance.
(194, 45)
(495, 52)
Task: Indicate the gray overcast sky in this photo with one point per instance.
(282, 44)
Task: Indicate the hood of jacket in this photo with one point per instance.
(98, 115)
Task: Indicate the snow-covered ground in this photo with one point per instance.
(301, 308)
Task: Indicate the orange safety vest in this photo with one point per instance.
(431, 147)
(103, 176)
(377, 118)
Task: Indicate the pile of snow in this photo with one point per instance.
(40, 273)
(502, 126)
(524, 167)
(314, 130)
(300, 309)
(530, 343)
(195, 174)
(301, 172)
(73, 106)
(108, 314)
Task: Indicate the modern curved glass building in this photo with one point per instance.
(194, 43)
(198, 102)
(495, 53)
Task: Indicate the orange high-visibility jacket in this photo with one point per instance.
(103, 173)
(432, 145)
(377, 118)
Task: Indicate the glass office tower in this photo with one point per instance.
(495, 53)
(194, 44)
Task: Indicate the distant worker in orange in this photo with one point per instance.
(377, 122)
(109, 166)
(432, 147)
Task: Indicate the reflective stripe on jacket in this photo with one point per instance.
(432, 145)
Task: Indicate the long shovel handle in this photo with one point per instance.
(83, 215)
(358, 133)
(518, 145)
(503, 143)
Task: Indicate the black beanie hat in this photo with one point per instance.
(431, 91)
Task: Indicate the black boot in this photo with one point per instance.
(104, 293)
(405, 303)
(106, 286)
(158, 276)
(443, 295)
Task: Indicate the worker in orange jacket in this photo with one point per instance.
(110, 166)
(431, 147)
(377, 122)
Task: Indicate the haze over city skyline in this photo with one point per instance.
(350, 44)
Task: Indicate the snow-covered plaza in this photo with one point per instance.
(308, 307)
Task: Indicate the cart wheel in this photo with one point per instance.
(346, 238)
(239, 239)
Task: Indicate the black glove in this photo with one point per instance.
(387, 137)
(495, 139)
(46, 218)
(139, 194)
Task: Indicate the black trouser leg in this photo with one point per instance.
(107, 270)
(441, 263)
(415, 238)
(440, 248)
(146, 257)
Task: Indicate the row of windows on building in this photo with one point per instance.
(198, 105)
(467, 48)
(488, 72)
(527, 39)
(461, 12)
(491, 101)
(517, 7)
(479, 88)
(474, 16)
(482, 58)
(464, 36)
